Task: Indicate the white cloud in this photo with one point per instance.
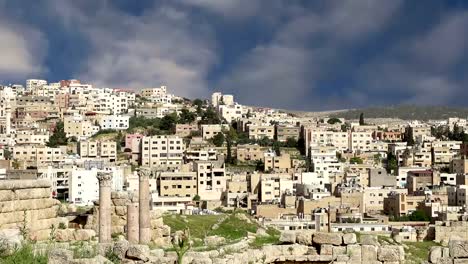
(22, 50)
(160, 47)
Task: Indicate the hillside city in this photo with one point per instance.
(217, 173)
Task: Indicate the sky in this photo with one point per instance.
(293, 54)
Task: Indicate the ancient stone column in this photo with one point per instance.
(144, 205)
(132, 223)
(105, 182)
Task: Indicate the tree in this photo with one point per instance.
(7, 154)
(361, 119)
(260, 165)
(408, 137)
(210, 116)
(291, 143)
(277, 148)
(168, 122)
(196, 198)
(199, 105)
(59, 137)
(392, 163)
(333, 121)
(419, 215)
(218, 139)
(356, 160)
(186, 117)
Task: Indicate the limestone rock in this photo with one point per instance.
(304, 237)
(369, 240)
(328, 238)
(138, 252)
(261, 232)
(349, 238)
(458, 249)
(397, 238)
(10, 239)
(339, 250)
(435, 254)
(157, 252)
(354, 253)
(59, 256)
(213, 241)
(369, 253)
(390, 253)
(120, 248)
(121, 210)
(326, 249)
(84, 234)
(64, 235)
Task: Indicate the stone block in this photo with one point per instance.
(369, 253)
(458, 249)
(354, 252)
(304, 237)
(390, 253)
(326, 249)
(435, 254)
(288, 237)
(138, 252)
(349, 238)
(369, 240)
(328, 238)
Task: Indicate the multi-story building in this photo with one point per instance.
(79, 127)
(84, 185)
(177, 184)
(457, 195)
(231, 112)
(276, 163)
(162, 151)
(211, 178)
(98, 149)
(33, 83)
(460, 166)
(35, 155)
(246, 153)
(185, 130)
(209, 131)
(282, 133)
(315, 137)
(361, 141)
(400, 204)
(260, 132)
(274, 186)
(114, 122)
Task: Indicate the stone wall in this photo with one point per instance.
(160, 233)
(27, 205)
(301, 247)
(456, 252)
(447, 231)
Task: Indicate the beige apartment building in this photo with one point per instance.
(273, 186)
(315, 137)
(36, 155)
(162, 151)
(39, 138)
(177, 184)
(285, 132)
(78, 127)
(211, 177)
(275, 163)
(246, 153)
(209, 131)
(98, 149)
(361, 141)
(260, 131)
(373, 198)
(185, 130)
(400, 204)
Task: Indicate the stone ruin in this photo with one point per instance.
(456, 252)
(298, 247)
(26, 207)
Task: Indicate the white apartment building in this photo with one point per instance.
(39, 138)
(403, 174)
(84, 185)
(118, 122)
(325, 161)
(314, 137)
(32, 83)
(211, 179)
(260, 132)
(162, 151)
(361, 141)
(231, 112)
(218, 99)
